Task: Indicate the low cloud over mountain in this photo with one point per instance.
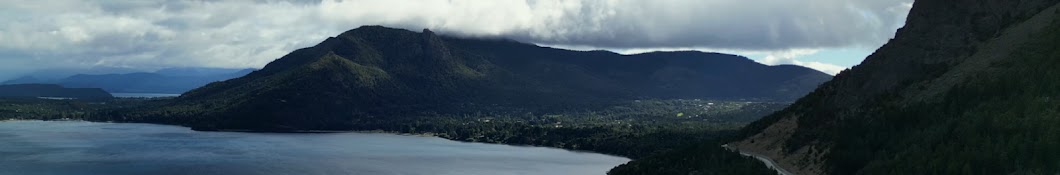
(157, 34)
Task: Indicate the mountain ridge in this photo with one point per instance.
(374, 70)
(169, 80)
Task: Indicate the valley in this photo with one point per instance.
(961, 87)
(379, 79)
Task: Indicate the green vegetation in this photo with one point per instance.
(950, 94)
(707, 158)
(634, 129)
(45, 109)
(984, 106)
(1004, 121)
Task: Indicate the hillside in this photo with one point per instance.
(966, 87)
(376, 71)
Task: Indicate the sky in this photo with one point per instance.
(41, 35)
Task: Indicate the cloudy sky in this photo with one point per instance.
(828, 35)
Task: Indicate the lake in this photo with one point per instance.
(142, 95)
(74, 147)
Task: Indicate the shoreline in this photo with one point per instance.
(314, 131)
(392, 133)
(63, 119)
(327, 132)
(247, 130)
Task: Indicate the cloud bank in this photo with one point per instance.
(244, 33)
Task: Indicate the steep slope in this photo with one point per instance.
(375, 71)
(967, 87)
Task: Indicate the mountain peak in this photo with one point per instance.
(374, 29)
(377, 70)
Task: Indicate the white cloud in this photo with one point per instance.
(249, 33)
(781, 57)
(786, 56)
(823, 67)
(791, 57)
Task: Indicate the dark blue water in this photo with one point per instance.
(67, 147)
(143, 95)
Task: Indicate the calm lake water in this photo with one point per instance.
(71, 147)
(143, 95)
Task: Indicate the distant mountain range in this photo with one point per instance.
(170, 80)
(51, 74)
(375, 70)
(52, 91)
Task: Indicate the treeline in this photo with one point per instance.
(1002, 121)
(707, 158)
(31, 108)
(635, 129)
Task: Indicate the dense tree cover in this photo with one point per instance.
(48, 109)
(707, 158)
(986, 106)
(633, 129)
(937, 99)
(1000, 122)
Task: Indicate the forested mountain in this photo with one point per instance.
(51, 90)
(373, 71)
(966, 87)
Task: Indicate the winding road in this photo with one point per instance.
(769, 162)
